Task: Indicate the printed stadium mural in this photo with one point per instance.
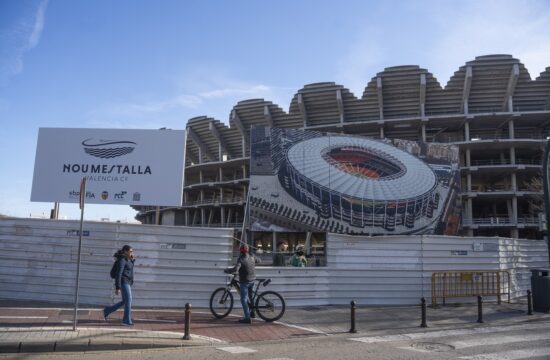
(313, 181)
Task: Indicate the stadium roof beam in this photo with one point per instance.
(203, 150)
(220, 139)
(268, 117)
(507, 104)
(237, 121)
(466, 89)
(422, 95)
(340, 104)
(380, 97)
(302, 107)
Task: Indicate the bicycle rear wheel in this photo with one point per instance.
(221, 302)
(270, 306)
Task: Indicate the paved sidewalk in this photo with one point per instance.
(36, 327)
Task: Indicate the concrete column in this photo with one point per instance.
(511, 129)
(222, 215)
(502, 158)
(514, 233)
(470, 232)
(274, 242)
(467, 131)
(509, 208)
(469, 182)
(186, 217)
(203, 216)
(424, 132)
(469, 208)
(200, 176)
(515, 210)
(468, 157)
(513, 155)
(381, 132)
(514, 182)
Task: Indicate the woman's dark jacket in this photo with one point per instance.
(125, 272)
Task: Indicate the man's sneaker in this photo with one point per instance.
(245, 321)
(126, 324)
(104, 315)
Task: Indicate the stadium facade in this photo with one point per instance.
(490, 108)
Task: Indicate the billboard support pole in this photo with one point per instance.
(546, 190)
(82, 199)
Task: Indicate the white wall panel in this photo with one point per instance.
(176, 265)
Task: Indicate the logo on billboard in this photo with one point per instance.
(120, 195)
(75, 194)
(137, 196)
(107, 149)
(104, 195)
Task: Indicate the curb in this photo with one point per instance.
(89, 345)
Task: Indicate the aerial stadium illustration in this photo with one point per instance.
(313, 181)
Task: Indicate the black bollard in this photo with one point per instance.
(479, 309)
(187, 335)
(352, 330)
(423, 323)
(529, 303)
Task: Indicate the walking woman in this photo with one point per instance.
(124, 279)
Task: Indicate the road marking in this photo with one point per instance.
(498, 340)
(23, 317)
(301, 328)
(444, 333)
(236, 349)
(279, 359)
(510, 355)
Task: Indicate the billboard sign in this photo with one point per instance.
(121, 166)
(321, 182)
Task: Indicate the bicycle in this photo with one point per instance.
(269, 305)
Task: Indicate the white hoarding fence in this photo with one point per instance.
(121, 166)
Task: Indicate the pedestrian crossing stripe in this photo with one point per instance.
(236, 349)
(511, 355)
(444, 333)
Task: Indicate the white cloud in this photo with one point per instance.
(20, 39)
(518, 28)
(175, 111)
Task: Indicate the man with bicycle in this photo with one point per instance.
(246, 267)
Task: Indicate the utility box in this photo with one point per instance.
(540, 289)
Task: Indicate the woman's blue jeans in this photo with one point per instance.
(246, 291)
(126, 291)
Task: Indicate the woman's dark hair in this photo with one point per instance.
(125, 248)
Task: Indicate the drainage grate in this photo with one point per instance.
(71, 312)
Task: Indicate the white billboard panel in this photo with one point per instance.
(121, 166)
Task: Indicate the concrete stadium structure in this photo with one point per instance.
(491, 108)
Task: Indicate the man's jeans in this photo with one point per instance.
(126, 291)
(246, 291)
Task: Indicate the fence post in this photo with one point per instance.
(529, 303)
(479, 309)
(186, 335)
(423, 323)
(352, 330)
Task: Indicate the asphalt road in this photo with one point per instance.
(508, 342)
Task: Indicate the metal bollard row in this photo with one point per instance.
(352, 329)
(187, 334)
(423, 323)
(479, 309)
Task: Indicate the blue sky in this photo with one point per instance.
(151, 64)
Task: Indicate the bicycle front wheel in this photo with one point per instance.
(221, 302)
(270, 306)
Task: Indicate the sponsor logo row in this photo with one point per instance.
(105, 195)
